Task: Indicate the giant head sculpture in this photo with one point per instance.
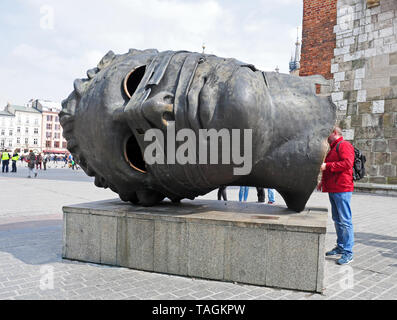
(231, 124)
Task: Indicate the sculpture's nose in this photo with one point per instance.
(158, 109)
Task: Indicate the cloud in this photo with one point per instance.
(46, 61)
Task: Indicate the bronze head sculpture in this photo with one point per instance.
(107, 118)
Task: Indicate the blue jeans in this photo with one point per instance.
(342, 217)
(270, 195)
(243, 192)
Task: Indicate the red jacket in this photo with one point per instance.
(338, 177)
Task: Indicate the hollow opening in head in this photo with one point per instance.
(133, 79)
(133, 155)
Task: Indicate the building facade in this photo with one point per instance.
(52, 140)
(32, 127)
(359, 57)
(20, 129)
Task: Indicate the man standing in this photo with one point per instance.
(5, 158)
(337, 180)
(14, 159)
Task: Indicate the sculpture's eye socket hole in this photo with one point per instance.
(133, 155)
(132, 80)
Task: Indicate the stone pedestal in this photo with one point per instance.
(249, 243)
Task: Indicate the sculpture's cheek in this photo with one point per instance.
(242, 103)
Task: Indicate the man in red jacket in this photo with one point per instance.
(337, 180)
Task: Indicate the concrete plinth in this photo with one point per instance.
(229, 241)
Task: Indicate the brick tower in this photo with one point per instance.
(353, 43)
(318, 37)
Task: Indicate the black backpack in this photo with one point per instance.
(358, 165)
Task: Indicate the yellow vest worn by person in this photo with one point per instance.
(15, 158)
(5, 156)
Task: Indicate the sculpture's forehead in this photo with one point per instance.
(137, 58)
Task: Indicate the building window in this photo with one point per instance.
(18, 140)
(56, 119)
(57, 135)
(49, 126)
(36, 122)
(35, 142)
(64, 144)
(26, 130)
(27, 120)
(57, 127)
(36, 130)
(49, 118)
(18, 129)
(56, 144)
(26, 140)
(3, 132)
(48, 144)
(10, 133)
(2, 143)
(48, 134)
(10, 143)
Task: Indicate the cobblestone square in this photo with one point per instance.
(31, 265)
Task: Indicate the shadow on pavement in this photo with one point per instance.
(33, 242)
(388, 243)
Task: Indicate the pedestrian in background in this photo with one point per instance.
(5, 158)
(270, 195)
(31, 163)
(222, 193)
(337, 180)
(14, 159)
(243, 193)
(39, 160)
(261, 195)
(45, 159)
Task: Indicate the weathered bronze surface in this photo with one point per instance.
(106, 116)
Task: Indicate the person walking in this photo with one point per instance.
(337, 180)
(15, 158)
(31, 163)
(222, 193)
(243, 193)
(5, 159)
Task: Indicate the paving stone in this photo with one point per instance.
(202, 294)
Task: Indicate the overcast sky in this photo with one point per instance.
(46, 44)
